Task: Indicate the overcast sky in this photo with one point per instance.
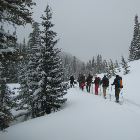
(90, 27)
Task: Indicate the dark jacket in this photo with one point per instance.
(105, 82)
(82, 79)
(116, 81)
(97, 81)
(71, 79)
(89, 79)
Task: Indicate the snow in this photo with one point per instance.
(9, 49)
(14, 87)
(86, 116)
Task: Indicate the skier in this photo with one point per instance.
(105, 84)
(97, 83)
(79, 79)
(72, 81)
(82, 81)
(118, 85)
(88, 82)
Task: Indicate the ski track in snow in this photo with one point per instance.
(132, 102)
(85, 116)
(125, 103)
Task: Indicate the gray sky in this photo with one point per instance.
(90, 27)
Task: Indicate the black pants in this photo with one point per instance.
(71, 84)
(117, 92)
(88, 87)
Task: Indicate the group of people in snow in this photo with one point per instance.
(87, 81)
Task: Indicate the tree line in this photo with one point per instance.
(97, 65)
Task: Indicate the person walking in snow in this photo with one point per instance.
(88, 82)
(105, 84)
(118, 85)
(72, 81)
(79, 79)
(97, 83)
(82, 81)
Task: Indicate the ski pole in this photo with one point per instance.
(92, 88)
(122, 96)
(100, 90)
(110, 93)
(110, 96)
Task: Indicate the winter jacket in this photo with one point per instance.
(105, 82)
(71, 79)
(117, 82)
(97, 81)
(89, 79)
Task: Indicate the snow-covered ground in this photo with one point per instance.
(88, 116)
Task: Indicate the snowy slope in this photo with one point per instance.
(88, 117)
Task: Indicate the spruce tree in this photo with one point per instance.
(104, 70)
(11, 12)
(135, 41)
(137, 53)
(74, 66)
(83, 68)
(117, 66)
(108, 71)
(99, 64)
(34, 55)
(28, 72)
(17, 11)
(51, 90)
(125, 66)
(7, 48)
(6, 102)
(23, 79)
(89, 67)
(112, 68)
(93, 62)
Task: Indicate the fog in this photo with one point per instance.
(90, 27)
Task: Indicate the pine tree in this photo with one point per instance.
(137, 53)
(52, 88)
(6, 102)
(125, 66)
(12, 12)
(105, 66)
(117, 67)
(74, 66)
(89, 67)
(134, 43)
(17, 12)
(83, 68)
(108, 71)
(99, 64)
(93, 62)
(34, 54)
(23, 79)
(7, 48)
(131, 52)
(112, 68)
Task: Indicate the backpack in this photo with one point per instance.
(97, 80)
(105, 82)
(120, 84)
